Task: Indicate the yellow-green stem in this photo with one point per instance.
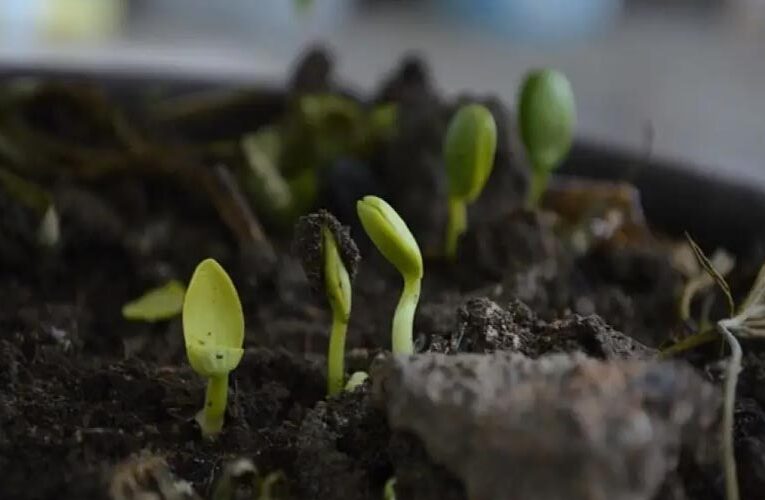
(210, 419)
(537, 185)
(336, 355)
(689, 343)
(403, 319)
(456, 225)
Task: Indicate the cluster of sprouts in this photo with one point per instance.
(213, 322)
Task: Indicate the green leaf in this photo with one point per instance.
(213, 323)
(469, 147)
(391, 236)
(336, 278)
(356, 380)
(546, 118)
(158, 304)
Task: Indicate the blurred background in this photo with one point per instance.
(682, 80)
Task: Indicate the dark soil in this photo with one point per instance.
(82, 390)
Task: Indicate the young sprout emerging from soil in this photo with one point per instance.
(330, 258)
(213, 328)
(469, 147)
(241, 479)
(393, 239)
(356, 380)
(546, 116)
(389, 491)
(238, 475)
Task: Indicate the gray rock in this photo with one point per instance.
(562, 427)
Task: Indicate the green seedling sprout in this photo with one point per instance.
(469, 147)
(330, 258)
(241, 479)
(393, 239)
(162, 303)
(240, 474)
(389, 490)
(356, 380)
(213, 328)
(546, 117)
(270, 483)
(338, 288)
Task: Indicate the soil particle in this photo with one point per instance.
(146, 476)
(648, 286)
(509, 244)
(87, 218)
(308, 245)
(344, 182)
(482, 326)
(750, 447)
(18, 235)
(67, 418)
(599, 429)
(342, 449)
(590, 335)
(417, 475)
(409, 82)
(313, 72)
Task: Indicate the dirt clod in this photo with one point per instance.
(309, 247)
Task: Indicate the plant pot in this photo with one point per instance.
(536, 375)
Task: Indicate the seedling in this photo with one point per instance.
(330, 258)
(240, 475)
(389, 491)
(748, 321)
(241, 479)
(158, 304)
(469, 147)
(213, 328)
(356, 380)
(270, 483)
(546, 117)
(393, 239)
